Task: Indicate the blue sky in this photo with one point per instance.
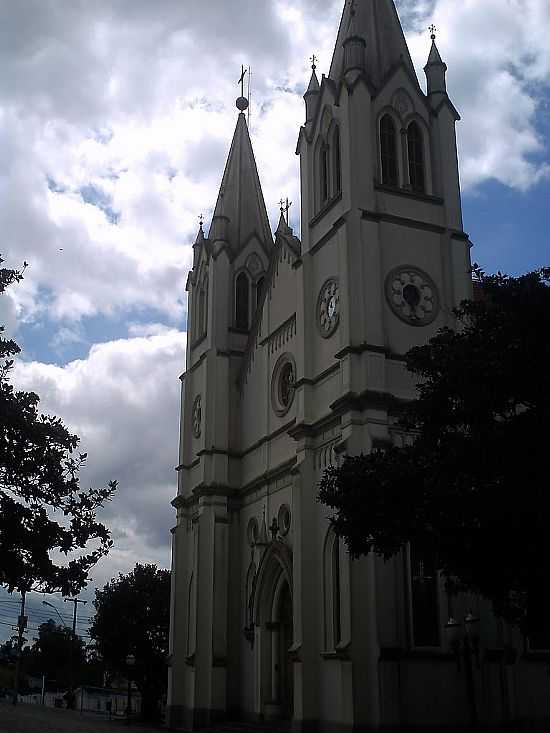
(108, 161)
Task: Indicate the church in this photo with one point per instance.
(295, 357)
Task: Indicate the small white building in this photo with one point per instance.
(294, 358)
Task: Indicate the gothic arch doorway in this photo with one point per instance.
(274, 634)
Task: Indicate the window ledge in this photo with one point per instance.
(326, 208)
(409, 193)
(335, 654)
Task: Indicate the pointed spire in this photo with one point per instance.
(311, 97)
(240, 209)
(377, 23)
(354, 45)
(200, 234)
(283, 227)
(435, 69)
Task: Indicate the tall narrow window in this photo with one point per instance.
(324, 174)
(337, 161)
(336, 594)
(424, 599)
(415, 145)
(388, 151)
(259, 290)
(241, 302)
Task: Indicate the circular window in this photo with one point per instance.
(328, 308)
(252, 531)
(412, 296)
(283, 384)
(197, 416)
(284, 520)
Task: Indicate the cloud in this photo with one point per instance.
(497, 68)
(123, 402)
(115, 121)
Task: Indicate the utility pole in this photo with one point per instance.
(21, 626)
(76, 601)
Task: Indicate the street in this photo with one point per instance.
(38, 719)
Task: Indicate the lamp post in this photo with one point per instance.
(463, 639)
(130, 661)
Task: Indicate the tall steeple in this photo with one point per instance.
(375, 22)
(240, 209)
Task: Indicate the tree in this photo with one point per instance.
(132, 617)
(471, 487)
(50, 655)
(44, 514)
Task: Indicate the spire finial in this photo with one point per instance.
(314, 60)
(242, 101)
(201, 219)
(433, 31)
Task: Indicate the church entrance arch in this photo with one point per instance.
(274, 634)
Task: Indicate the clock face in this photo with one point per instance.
(328, 308)
(412, 295)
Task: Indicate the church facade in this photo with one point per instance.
(295, 358)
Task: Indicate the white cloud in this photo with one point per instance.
(136, 100)
(123, 400)
(495, 52)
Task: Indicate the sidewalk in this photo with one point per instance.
(38, 719)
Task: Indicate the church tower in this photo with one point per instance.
(295, 358)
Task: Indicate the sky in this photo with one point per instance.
(115, 122)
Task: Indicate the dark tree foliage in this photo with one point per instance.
(132, 617)
(50, 655)
(472, 487)
(44, 514)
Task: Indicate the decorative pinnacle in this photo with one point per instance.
(201, 218)
(433, 31)
(314, 60)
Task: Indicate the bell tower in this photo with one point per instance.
(380, 188)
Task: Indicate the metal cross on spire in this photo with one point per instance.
(314, 60)
(433, 31)
(242, 101)
(285, 208)
(241, 80)
(201, 219)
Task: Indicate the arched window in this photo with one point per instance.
(241, 302)
(337, 161)
(336, 593)
(259, 290)
(203, 306)
(388, 151)
(415, 146)
(424, 580)
(336, 580)
(323, 168)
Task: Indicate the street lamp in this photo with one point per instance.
(130, 661)
(463, 638)
(47, 603)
